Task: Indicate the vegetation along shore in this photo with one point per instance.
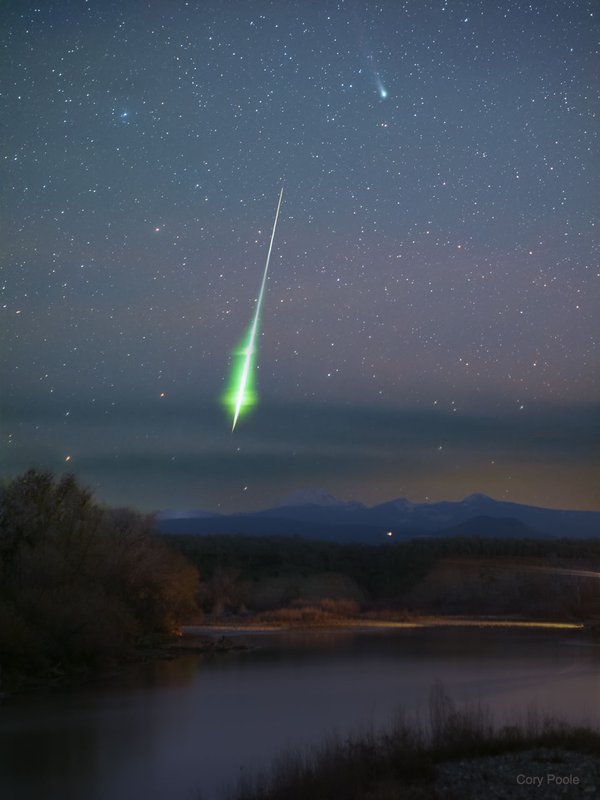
(456, 753)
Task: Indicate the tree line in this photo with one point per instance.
(81, 583)
(460, 575)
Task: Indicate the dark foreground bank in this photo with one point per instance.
(457, 753)
(82, 587)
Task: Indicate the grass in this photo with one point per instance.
(401, 762)
(311, 614)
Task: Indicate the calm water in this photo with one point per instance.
(184, 729)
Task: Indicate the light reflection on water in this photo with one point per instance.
(173, 728)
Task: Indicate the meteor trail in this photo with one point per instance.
(241, 394)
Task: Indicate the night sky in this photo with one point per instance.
(431, 320)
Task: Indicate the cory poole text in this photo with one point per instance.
(549, 779)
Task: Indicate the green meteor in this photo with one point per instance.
(241, 395)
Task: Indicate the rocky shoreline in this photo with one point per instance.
(548, 773)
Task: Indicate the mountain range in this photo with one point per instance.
(315, 514)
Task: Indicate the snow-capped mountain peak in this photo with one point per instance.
(478, 497)
(402, 504)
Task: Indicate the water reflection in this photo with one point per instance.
(170, 728)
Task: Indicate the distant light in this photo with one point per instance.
(383, 93)
(389, 533)
(162, 394)
(67, 458)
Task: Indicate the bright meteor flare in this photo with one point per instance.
(241, 395)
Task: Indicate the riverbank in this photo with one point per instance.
(458, 753)
(260, 624)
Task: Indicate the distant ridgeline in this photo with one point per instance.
(316, 515)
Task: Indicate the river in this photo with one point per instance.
(183, 729)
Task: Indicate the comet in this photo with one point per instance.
(241, 396)
(381, 88)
